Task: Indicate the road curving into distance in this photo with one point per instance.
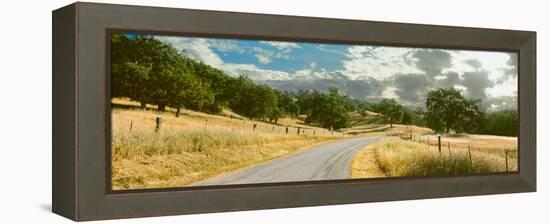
(324, 162)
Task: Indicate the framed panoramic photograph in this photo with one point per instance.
(195, 111)
(201, 111)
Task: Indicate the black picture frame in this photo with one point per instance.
(81, 111)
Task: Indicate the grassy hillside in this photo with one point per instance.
(374, 123)
(196, 145)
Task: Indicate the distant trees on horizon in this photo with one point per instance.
(328, 110)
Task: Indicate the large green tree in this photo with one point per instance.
(287, 104)
(167, 68)
(334, 112)
(130, 70)
(328, 110)
(448, 109)
(217, 81)
(147, 70)
(252, 100)
(189, 92)
(391, 110)
(143, 69)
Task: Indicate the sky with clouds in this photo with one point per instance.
(363, 72)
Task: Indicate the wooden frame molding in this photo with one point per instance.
(81, 114)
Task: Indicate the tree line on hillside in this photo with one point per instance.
(447, 110)
(149, 71)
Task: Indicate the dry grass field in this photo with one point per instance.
(195, 145)
(398, 157)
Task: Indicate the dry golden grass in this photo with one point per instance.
(367, 128)
(396, 157)
(194, 146)
(482, 142)
(399, 129)
(176, 170)
(364, 164)
(388, 130)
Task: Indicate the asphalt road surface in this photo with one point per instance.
(324, 162)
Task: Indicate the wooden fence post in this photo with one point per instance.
(470, 157)
(449, 147)
(131, 124)
(506, 156)
(428, 141)
(313, 132)
(286, 130)
(439, 144)
(157, 127)
(298, 132)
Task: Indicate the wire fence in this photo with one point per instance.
(447, 148)
(255, 126)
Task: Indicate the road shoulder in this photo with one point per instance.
(364, 163)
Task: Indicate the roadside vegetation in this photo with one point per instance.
(195, 145)
(396, 157)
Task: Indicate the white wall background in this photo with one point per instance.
(25, 112)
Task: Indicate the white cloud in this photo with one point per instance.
(253, 72)
(325, 48)
(226, 45)
(200, 49)
(307, 73)
(495, 63)
(285, 47)
(490, 61)
(389, 92)
(377, 62)
(312, 64)
(195, 48)
(507, 88)
(264, 56)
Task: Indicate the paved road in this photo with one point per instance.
(324, 162)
